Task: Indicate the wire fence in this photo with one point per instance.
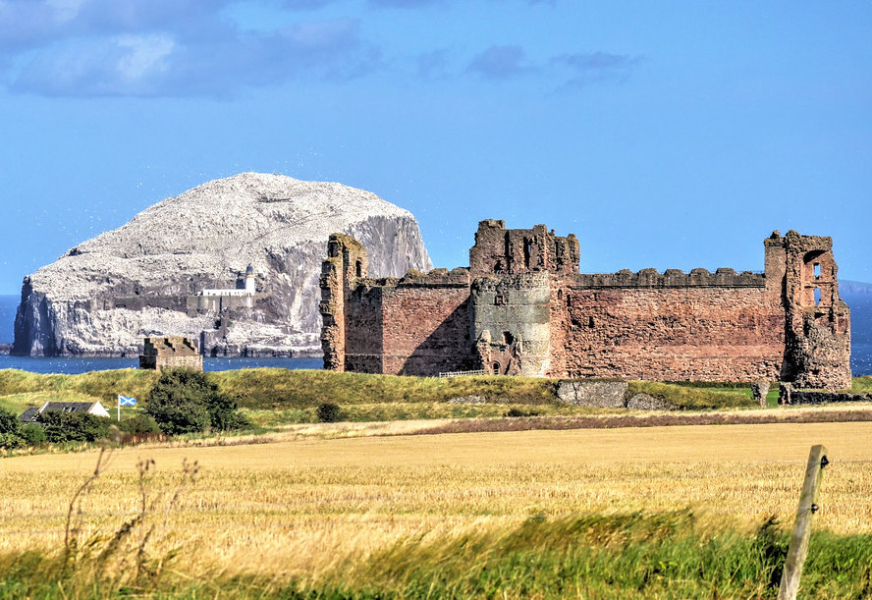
(462, 373)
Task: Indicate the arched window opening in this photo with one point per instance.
(497, 369)
(358, 268)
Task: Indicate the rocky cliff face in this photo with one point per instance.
(146, 278)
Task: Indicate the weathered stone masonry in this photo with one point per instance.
(522, 308)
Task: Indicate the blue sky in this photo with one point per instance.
(664, 134)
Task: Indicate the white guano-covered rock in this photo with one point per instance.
(103, 296)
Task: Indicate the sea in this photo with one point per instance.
(861, 348)
(71, 366)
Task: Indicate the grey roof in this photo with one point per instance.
(67, 406)
(29, 416)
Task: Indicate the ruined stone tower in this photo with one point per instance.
(522, 308)
(346, 262)
(818, 322)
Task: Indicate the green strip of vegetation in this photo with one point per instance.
(861, 385)
(695, 397)
(275, 388)
(626, 556)
(293, 396)
(617, 556)
(104, 386)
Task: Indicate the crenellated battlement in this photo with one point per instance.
(671, 278)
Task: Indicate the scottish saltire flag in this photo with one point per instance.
(126, 401)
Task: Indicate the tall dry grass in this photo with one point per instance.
(303, 509)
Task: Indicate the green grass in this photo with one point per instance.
(696, 397)
(400, 411)
(282, 389)
(275, 397)
(636, 556)
(275, 388)
(861, 385)
(667, 555)
(104, 386)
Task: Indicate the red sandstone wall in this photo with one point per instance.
(363, 341)
(671, 334)
(426, 330)
(699, 326)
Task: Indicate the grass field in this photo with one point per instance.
(274, 398)
(464, 514)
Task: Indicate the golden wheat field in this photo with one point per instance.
(303, 506)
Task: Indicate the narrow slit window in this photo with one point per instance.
(817, 270)
(358, 268)
(817, 296)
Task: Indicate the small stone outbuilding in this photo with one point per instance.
(170, 353)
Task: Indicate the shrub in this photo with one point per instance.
(517, 412)
(74, 427)
(10, 440)
(9, 422)
(141, 423)
(186, 401)
(33, 434)
(328, 413)
(224, 413)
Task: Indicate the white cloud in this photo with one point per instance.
(64, 11)
(146, 56)
(160, 64)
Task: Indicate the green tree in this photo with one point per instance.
(140, 423)
(9, 422)
(187, 401)
(33, 434)
(10, 429)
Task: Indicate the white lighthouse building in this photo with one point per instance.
(246, 285)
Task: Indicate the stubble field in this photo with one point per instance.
(303, 510)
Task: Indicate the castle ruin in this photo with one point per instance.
(522, 308)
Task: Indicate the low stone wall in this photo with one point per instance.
(648, 402)
(601, 394)
(788, 395)
(607, 394)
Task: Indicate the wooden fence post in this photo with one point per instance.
(817, 460)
